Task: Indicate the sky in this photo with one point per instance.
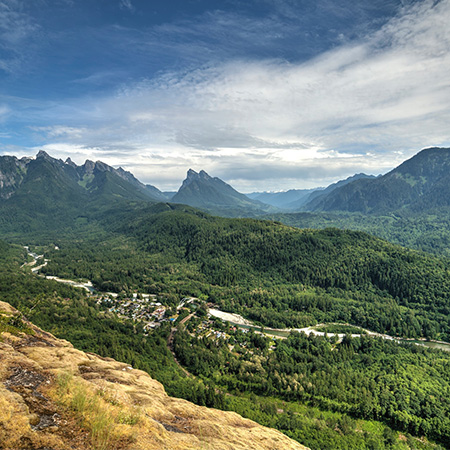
(267, 95)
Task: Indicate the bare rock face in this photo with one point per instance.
(12, 172)
(56, 397)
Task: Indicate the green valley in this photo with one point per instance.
(271, 273)
(100, 224)
(288, 384)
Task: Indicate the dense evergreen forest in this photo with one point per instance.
(328, 395)
(271, 273)
(371, 378)
(287, 386)
(426, 231)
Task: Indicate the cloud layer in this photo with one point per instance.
(269, 122)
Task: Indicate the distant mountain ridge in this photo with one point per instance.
(45, 192)
(287, 199)
(16, 174)
(303, 199)
(316, 196)
(214, 195)
(419, 184)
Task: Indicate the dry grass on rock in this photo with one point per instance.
(54, 396)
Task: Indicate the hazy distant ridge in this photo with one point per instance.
(420, 183)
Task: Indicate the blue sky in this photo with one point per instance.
(265, 94)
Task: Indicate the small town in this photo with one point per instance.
(139, 307)
(146, 309)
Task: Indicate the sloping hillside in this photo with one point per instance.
(214, 195)
(54, 396)
(420, 183)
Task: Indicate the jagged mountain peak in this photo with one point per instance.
(125, 174)
(103, 167)
(88, 166)
(44, 155)
(192, 176)
(69, 162)
(212, 194)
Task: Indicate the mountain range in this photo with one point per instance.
(419, 184)
(214, 195)
(20, 177)
(55, 191)
(45, 192)
(132, 240)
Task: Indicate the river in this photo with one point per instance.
(86, 286)
(240, 322)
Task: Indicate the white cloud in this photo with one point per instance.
(347, 111)
(59, 132)
(4, 111)
(16, 30)
(126, 4)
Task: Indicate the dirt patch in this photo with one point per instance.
(178, 425)
(83, 368)
(171, 428)
(27, 382)
(25, 378)
(35, 340)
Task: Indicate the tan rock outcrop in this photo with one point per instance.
(47, 393)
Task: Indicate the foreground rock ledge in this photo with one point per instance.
(31, 416)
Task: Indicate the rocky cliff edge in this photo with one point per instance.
(54, 397)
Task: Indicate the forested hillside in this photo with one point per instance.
(419, 184)
(428, 232)
(324, 394)
(272, 273)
